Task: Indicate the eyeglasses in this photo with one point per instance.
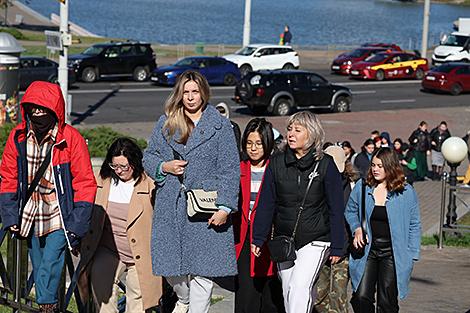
(123, 168)
(258, 145)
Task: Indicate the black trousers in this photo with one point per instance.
(256, 294)
(380, 273)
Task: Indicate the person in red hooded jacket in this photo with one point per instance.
(258, 289)
(57, 214)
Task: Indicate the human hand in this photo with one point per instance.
(218, 218)
(334, 259)
(358, 241)
(76, 250)
(404, 162)
(256, 250)
(174, 167)
(14, 229)
(428, 152)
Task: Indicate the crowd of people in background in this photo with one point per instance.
(206, 201)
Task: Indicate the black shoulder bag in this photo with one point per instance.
(358, 253)
(282, 248)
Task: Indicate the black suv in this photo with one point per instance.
(281, 91)
(114, 59)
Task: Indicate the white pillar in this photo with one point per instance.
(247, 24)
(424, 41)
(65, 37)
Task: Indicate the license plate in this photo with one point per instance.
(354, 72)
(335, 67)
(430, 78)
(154, 78)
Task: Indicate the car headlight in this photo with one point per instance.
(167, 74)
(368, 67)
(255, 80)
(347, 63)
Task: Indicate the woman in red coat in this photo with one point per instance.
(258, 289)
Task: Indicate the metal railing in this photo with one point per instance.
(455, 193)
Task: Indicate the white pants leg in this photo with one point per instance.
(180, 286)
(200, 294)
(299, 277)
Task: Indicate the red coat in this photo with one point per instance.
(261, 266)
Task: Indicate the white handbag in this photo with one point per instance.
(201, 201)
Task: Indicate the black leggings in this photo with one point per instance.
(380, 272)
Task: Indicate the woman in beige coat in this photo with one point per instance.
(117, 247)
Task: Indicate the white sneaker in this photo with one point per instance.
(181, 308)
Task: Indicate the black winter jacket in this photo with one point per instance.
(284, 185)
(438, 138)
(419, 140)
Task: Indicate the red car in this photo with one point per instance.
(448, 77)
(343, 62)
(390, 65)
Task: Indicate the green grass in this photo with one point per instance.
(451, 239)
(42, 50)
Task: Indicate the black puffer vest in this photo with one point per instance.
(291, 176)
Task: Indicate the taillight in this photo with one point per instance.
(259, 92)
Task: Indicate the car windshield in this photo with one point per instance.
(186, 62)
(356, 53)
(246, 51)
(377, 58)
(93, 50)
(445, 68)
(455, 41)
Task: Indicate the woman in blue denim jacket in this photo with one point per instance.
(393, 235)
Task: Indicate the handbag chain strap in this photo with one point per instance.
(311, 176)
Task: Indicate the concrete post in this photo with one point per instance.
(424, 41)
(247, 24)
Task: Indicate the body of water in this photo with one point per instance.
(312, 22)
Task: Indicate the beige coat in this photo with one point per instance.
(139, 224)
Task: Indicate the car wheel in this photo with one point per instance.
(342, 104)
(455, 89)
(282, 107)
(380, 75)
(141, 73)
(54, 79)
(419, 74)
(230, 79)
(245, 68)
(89, 75)
(288, 66)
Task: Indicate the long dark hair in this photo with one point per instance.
(129, 149)
(265, 131)
(394, 176)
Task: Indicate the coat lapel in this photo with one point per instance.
(136, 207)
(205, 128)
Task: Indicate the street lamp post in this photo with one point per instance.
(247, 23)
(454, 150)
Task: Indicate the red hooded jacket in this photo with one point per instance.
(259, 266)
(73, 176)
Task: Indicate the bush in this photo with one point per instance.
(100, 138)
(14, 32)
(4, 132)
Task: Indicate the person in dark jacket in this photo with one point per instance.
(286, 36)
(438, 135)
(362, 160)
(57, 215)
(386, 140)
(225, 112)
(320, 232)
(419, 141)
(348, 150)
(408, 163)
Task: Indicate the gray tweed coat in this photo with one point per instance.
(181, 246)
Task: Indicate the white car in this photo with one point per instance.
(264, 57)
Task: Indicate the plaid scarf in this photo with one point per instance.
(42, 209)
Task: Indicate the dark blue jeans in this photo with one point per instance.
(47, 255)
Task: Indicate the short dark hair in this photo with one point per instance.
(265, 131)
(128, 148)
(423, 123)
(443, 123)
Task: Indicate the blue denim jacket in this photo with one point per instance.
(405, 228)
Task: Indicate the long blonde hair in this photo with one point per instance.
(316, 134)
(177, 121)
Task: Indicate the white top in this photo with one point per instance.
(122, 192)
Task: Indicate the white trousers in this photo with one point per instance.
(195, 290)
(299, 277)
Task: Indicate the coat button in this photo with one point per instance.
(137, 257)
(133, 240)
